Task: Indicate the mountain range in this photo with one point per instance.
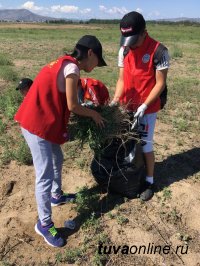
(24, 15)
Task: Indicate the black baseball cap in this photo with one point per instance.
(131, 25)
(23, 83)
(93, 43)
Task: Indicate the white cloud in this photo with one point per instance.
(69, 9)
(64, 9)
(139, 10)
(86, 11)
(102, 8)
(31, 6)
(153, 15)
(56, 10)
(114, 10)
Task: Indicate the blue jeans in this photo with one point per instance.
(47, 160)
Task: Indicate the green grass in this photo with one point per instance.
(7, 71)
(9, 102)
(176, 52)
(25, 50)
(5, 61)
(2, 127)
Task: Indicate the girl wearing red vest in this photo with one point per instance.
(139, 84)
(43, 117)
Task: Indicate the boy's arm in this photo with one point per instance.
(161, 76)
(119, 86)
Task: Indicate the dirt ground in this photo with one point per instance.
(170, 218)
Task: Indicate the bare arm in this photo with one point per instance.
(161, 76)
(72, 101)
(119, 85)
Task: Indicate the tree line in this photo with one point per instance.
(117, 21)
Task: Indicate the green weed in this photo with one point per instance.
(71, 255)
(7, 153)
(166, 194)
(59, 257)
(22, 153)
(184, 237)
(111, 215)
(92, 222)
(86, 202)
(180, 124)
(82, 163)
(2, 127)
(175, 215)
(180, 142)
(9, 103)
(6, 157)
(99, 259)
(5, 263)
(121, 220)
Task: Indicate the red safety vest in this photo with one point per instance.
(139, 76)
(44, 111)
(95, 91)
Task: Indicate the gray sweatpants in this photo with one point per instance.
(47, 160)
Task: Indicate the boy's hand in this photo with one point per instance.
(113, 103)
(140, 111)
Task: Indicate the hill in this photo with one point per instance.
(181, 19)
(22, 15)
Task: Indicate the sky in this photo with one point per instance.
(86, 9)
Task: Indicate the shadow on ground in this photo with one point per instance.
(177, 167)
(173, 169)
(94, 207)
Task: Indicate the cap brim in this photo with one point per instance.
(101, 62)
(129, 41)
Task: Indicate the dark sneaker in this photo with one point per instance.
(64, 198)
(50, 234)
(147, 191)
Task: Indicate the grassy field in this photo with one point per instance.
(170, 218)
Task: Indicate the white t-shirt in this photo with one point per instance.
(66, 69)
(163, 64)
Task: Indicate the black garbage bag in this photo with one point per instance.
(120, 167)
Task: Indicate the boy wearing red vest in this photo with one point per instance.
(43, 117)
(140, 84)
(93, 90)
